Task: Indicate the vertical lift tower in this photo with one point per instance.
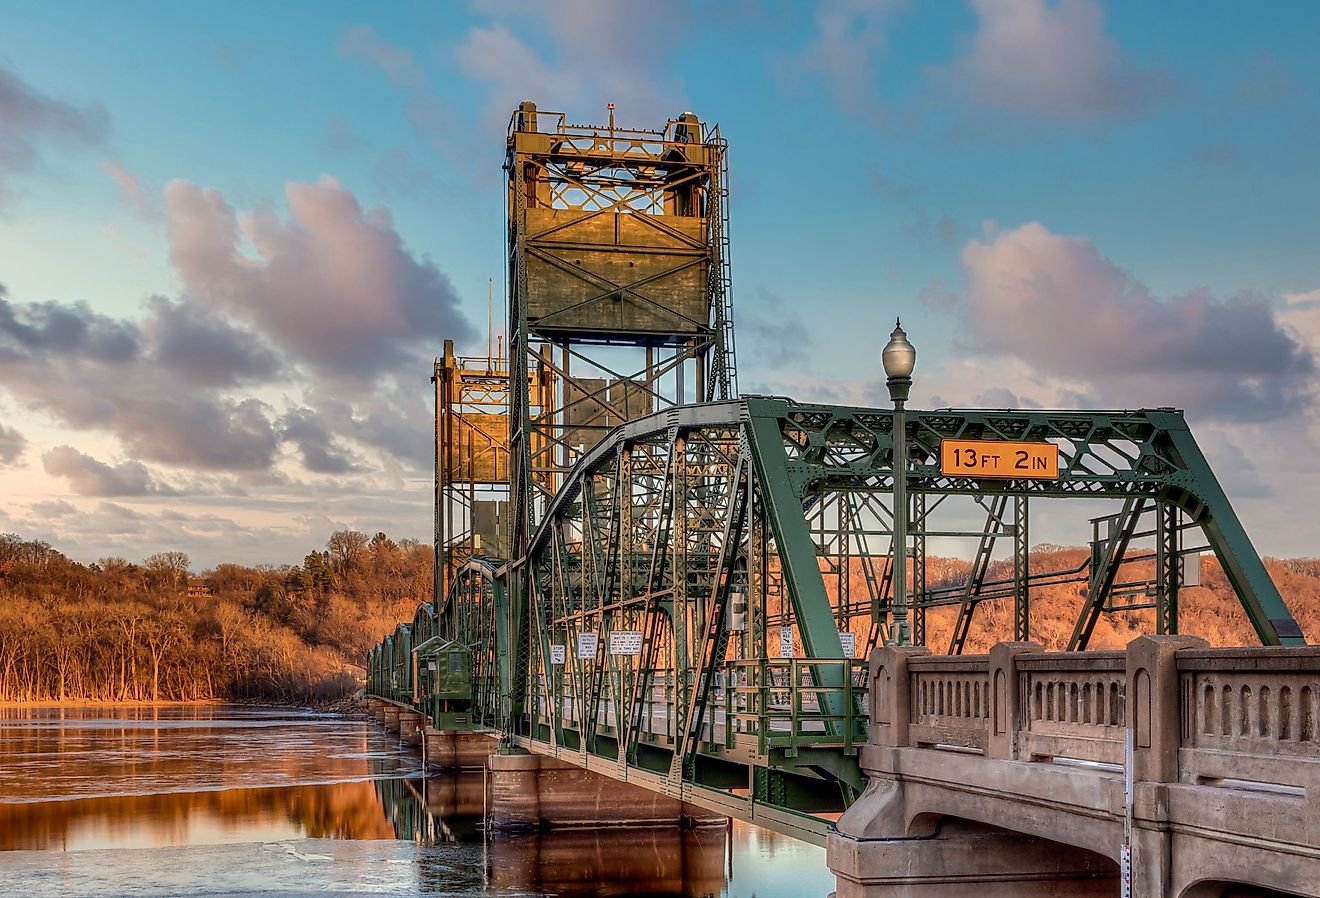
(619, 300)
(619, 305)
(618, 296)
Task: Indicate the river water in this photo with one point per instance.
(240, 801)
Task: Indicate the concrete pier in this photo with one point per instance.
(390, 717)
(526, 792)
(375, 708)
(411, 727)
(963, 860)
(457, 750)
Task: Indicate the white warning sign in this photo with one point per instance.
(849, 642)
(558, 654)
(625, 642)
(786, 642)
(587, 645)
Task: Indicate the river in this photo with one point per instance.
(225, 800)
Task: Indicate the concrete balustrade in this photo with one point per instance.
(1025, 750)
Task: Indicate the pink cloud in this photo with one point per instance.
(1054, 302)
(334, 286)
(130, 189)
(361, 42)
(1052, 60)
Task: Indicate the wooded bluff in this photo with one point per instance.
(117, 631)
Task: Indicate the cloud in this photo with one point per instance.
(1235, 469)
(92, 372)
(89, 477)
(32, 123)
(774, 332)
(1301, 315)
(214, 530)
(597, 53)
(12, 445)
(213, 434)
(936, 294)
(326, 301)
(1052, 61)
(204, 350)
(400, 422)
(334, 288)
(130, 190)
(849, 35)
(1263, 83)
(1054, 302)
(315, 443)
(511, 69)
(362, 43)
(60, 329)
(930, 233)
(53, 508)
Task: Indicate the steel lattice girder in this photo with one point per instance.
(1149, 453)
(799, 450)
(641, 538)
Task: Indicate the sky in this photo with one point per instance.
(232, 238)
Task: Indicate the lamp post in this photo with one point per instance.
(899, 358)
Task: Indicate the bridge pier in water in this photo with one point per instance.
(412, 725)
(451, 750)
(532, 791)
(526, 792)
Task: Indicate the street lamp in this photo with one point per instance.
(899, 358)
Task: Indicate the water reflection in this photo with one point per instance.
(247, 801)
(52, 754)
(660, 860)
(331, 811)
(446, 807)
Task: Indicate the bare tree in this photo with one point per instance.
(171, 567)
(346, 548)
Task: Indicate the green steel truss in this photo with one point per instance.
(718, 551)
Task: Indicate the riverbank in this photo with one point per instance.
(347, 706)
(99, 704)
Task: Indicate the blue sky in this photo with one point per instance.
(1069, 203)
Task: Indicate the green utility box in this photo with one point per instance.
(444, 678)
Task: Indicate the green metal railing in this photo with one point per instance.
(784, 704)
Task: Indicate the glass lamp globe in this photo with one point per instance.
(899, 356)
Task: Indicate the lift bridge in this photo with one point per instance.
(640, 570)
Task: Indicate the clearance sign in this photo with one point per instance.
(999, 458)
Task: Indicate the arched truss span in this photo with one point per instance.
(782, 511)
(694, 604)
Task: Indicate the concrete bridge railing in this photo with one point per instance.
(1225, 764)
(1199, 715)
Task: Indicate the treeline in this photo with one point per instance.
(117, 631)
(1211, 610)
